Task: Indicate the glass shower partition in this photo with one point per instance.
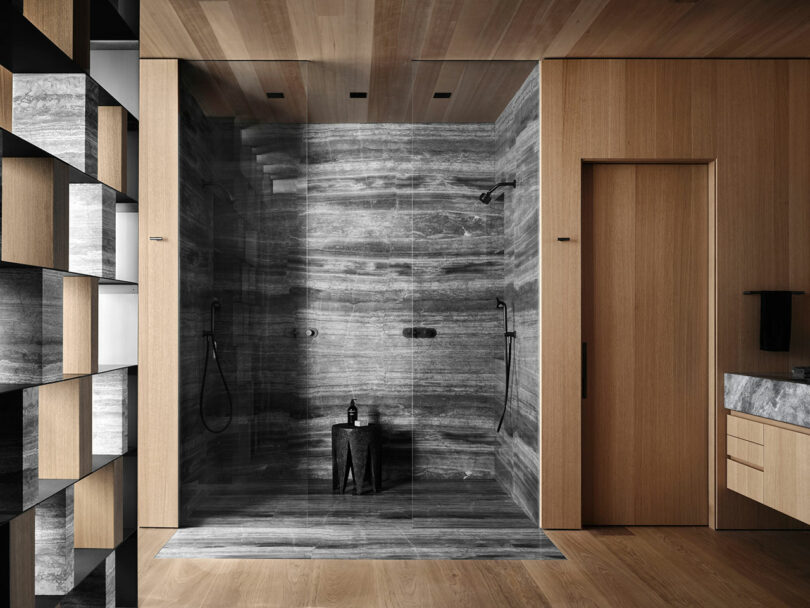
(475, 124)
(243, 277)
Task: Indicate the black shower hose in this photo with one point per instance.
(211, 347)
(508, 375)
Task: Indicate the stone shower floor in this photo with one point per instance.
(422, 520)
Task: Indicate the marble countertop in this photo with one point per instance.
(773, 396)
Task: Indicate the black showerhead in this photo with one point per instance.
(500, 303)
(486, 197)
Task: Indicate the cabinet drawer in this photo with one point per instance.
(746, 451)
(745, 429)
(744, 480)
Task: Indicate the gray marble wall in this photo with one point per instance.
(92, 230)
(59, 113)
(110, 408)
(396, 238)
(518, 136)
(54, 544)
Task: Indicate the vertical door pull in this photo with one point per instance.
(584, 370)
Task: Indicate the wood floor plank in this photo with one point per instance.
(647, 566)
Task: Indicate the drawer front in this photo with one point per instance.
(745, 429)
(787, 472)
(744, 480)
(746, 451)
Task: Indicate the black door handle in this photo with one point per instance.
(584, 370)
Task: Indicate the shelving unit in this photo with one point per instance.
(68, 416)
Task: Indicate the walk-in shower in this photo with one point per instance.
(338, 236)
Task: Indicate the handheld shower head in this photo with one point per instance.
(486, 197)
(500, 303)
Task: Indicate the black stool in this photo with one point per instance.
(352, 447)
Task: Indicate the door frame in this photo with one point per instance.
(711, 342)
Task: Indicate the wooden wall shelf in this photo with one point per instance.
(36, 239)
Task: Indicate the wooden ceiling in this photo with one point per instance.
(479, 91)
(368, 45)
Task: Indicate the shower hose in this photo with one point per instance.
(211, 349)
(508, 375)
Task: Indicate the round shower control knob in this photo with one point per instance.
(311, 333)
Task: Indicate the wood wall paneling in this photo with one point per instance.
(21, 560)
(158, 299)
(735, 112)
(66, 23)
(80, 325)
(65, 429)
(35, 212)
(6, 87)
(112, 146)
(98, 508)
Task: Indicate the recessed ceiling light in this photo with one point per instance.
(358, 94)
(441, 95)
(275, 95)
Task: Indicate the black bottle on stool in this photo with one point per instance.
(352, 411)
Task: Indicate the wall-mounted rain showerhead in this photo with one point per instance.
(486, 197)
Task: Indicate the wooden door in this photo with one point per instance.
(645, 326)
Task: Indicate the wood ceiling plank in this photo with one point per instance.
(230, 38)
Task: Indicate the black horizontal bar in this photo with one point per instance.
(757, 293)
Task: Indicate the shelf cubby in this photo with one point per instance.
(126, 242)
(112, 147)
(66, 23)
(35, 212)
(80, 325)
(65, 429)
(118, 325)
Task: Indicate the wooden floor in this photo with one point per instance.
(605, 567)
